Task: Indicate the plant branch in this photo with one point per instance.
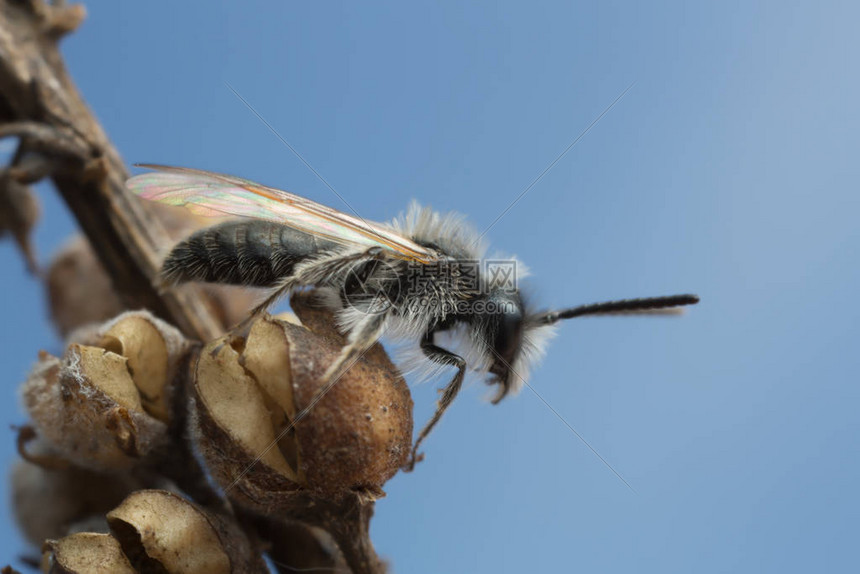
(40, 104)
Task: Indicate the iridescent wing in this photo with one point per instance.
(215, 195)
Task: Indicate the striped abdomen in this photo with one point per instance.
(244, 252)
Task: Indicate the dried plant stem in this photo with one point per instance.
(347, 521)
(40, 104)
(60, 138)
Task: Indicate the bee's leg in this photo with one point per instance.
(312, 274)
(308, 275)
(241, 331)
(444, 357)
(282, 289)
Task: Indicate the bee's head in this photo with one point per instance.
(511, 339)
(513, 336)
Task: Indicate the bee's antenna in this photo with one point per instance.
(622, 306)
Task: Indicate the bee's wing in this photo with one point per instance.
(214, 194)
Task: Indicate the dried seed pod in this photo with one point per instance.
(247, 390)
(85, 553)
(47, 503)
(80, 292)
(88, 408)
(162, 532)
(154, 351)
(104, 407)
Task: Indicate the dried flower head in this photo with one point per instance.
(248, 390)
(79, 290)
(162, 532)
(157, 531)
(104, 407)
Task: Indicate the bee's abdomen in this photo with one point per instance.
(246, 252)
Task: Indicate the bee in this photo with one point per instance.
(420, 276)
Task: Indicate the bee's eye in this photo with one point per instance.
(504, 331)
(507, 340)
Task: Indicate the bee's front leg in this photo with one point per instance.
(449, 393)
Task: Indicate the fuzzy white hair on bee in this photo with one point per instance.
(422, 277)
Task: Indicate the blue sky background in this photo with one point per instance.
(729, 169)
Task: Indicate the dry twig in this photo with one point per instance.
(59, 138)
(40, 105)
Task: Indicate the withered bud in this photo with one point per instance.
(162, 532)
(80, 292)
(104, 407)
(62, 20)
(85, 553)
(49, 503)
(248, 390)
(19, 211)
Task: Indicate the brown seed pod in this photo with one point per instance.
(80, 292)
(85, 553)
(154, 351)
(47, 503)
(247, 390)
(104, 407)
(162, 532)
